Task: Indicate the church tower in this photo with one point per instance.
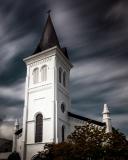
(47, 99)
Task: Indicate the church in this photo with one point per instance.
(47, 115)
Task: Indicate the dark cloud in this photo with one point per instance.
(96, 35)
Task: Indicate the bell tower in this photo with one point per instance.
(47, 99)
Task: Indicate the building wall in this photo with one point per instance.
(63, 97)
(32, 149)
(75, 122)
(40, 100)
(4, 156)
(45, 98)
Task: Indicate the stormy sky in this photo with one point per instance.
(96, 36)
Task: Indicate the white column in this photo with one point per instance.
(55, 103)
(107, 119)
(25, 113)
(16, 127)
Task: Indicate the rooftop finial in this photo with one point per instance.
(16, 122)
(107, 119)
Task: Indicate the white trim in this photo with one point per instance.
(46, 54)
(37, 113)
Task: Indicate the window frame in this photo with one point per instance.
(62, 107)
(60, 74)
(39, 130)
(44, 70)
(64, 79)
(35, 74)
(63, 133)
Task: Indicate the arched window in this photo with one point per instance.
(63, 107)
(60, 74)
(63, 133)
(35, 75)
(44, 73)
(39, 128)
(64, 79)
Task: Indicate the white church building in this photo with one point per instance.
(47, 115)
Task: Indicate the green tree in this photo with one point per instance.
(90, 142)
(89, 139)
(116, 145)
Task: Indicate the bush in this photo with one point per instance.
(89, 142)
(14, 156)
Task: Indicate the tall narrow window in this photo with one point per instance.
(39, 128)
(64, 79)
(63, 133)
(35, 75)
(44, 73)
(60, 75)
(62, 107)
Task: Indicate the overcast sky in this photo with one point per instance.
(96, 36)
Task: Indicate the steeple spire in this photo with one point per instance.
(49, 38)
(49, 11)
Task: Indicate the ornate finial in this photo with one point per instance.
(107, 119)
(49, 11)
(16, 122)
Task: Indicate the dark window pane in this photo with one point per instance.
(64, 79)
(62, 107)
(60, 74)
(39, 126)
(63, 134)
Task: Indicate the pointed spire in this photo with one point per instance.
(49, 38)
(16, 127)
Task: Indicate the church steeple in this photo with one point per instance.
(49, 38)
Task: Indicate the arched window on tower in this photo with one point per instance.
(35, 75)
(44, 73)
(63, 133)
(62, 107)
(39, 128)
(60, 74)
(64, 79)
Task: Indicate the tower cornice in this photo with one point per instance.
(46, 54)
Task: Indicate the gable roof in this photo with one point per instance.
(85, 119)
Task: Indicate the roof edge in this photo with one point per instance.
(86, 119)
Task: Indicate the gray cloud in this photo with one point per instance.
(11, 113)
(6, 130)
(96, 34)
(98, 82)
(15, 91)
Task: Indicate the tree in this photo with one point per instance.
(89, 139)
(90, 142)
(14, 156)
(116, 145)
